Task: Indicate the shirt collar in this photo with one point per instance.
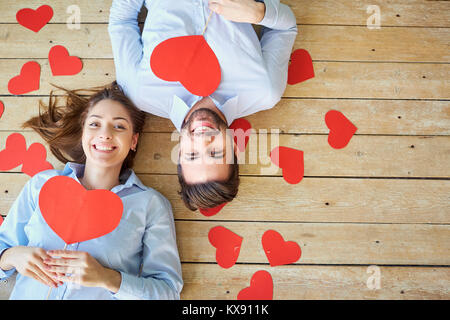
(128, 178)
(180, 109)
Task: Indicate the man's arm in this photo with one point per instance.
(125, 39)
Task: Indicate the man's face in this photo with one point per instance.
(206, 149)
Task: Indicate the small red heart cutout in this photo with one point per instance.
(278, 251)
(2, 109)
(35, 160)
(227, 244)
(242, 130)
(28, 79)
(189, 60)
(34, 20)
(301, 67)
(290, 161)
(261, 287)
(1, 220)
(62, 64)
(341, 129)
(14, 152)
(208, 212)
(76, 214)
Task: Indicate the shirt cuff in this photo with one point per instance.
(270, 17)
(126, 288)
(5, 273)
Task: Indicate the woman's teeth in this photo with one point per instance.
(102, 148)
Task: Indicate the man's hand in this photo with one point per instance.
(248, 11)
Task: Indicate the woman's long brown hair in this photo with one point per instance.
(62, 126)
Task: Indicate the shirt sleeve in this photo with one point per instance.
(126, 40)
(12, 231)
(279, 30)
(161, 268)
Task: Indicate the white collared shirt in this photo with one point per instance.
(254, 72)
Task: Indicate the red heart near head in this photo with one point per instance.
(34, 19)
(28, 79)
(290, 161)
(301, 67)
(278, 251)
(76, 214)
(189, 60)
(227, 244)
(261, 287)
(341, 129)
(62, 64)
(2, 108)
(1, 220)
(241, 131)
(208, 212)
(14, 152)
(35, 160)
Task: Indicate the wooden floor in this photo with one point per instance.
(383, 200)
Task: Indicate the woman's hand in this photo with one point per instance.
(84, 269)
(29, 261)
(248, 11)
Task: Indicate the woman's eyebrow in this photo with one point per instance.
(115, 118)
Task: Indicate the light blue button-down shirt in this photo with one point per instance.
(254, 72)
(145, 238)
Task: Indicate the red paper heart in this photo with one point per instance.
(1, 220)
(62, 64)
(76, 214)
(14, 152)
(2, 108)
(290, 161)
(261, 287)
(34, 19)
(301, 67)
(27, 80)
(278, 251)
(241, 128)
(227, 244)
(189, 60)
(208, 212)
(341, 129)
(35, 160)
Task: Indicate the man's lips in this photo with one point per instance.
(202, 126)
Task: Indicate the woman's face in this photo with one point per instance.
(108, 134)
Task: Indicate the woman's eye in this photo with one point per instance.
(93, 124)
(120, 127)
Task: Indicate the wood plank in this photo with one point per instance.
(404, 117)
(420, 13)
(333, 79)
(326, 243)
(313, 200)
(364, 156)
(322, 42)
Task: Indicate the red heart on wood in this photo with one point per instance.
(241, 132)
(35, 160)
(189, 60)
(28, 79)
(62, 64)
(1, 220)
(341, 129)
(278, 251)
(208, 212)
(14, 152)
(34, 19)
(227, 244)
(76, 214)
(290, 161)
(301, 67)
(261, 287)
(2, 108)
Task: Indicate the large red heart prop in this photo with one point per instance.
(301, 67)
(35, 160)
(34, 19)
(208, 212)
(2, 108)
(76, 214)
(227, 244)
(290, 161)
(341, 129)
(241, 132)
(278, 251)
(261, 287)
(14, 152)
(62, 64)
(27, 80)
(189, 60)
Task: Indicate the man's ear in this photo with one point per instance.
(236, 150)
